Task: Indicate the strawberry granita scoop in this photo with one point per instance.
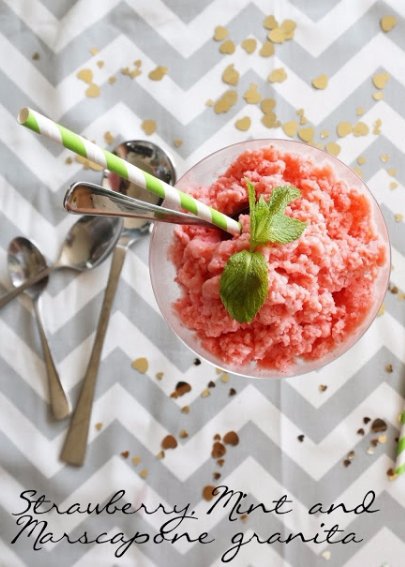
(321, 286)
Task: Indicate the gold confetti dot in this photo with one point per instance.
(169, 442)
(270, 120)
(35, 56)
(381, 311)
(360, 129)
(392, 171)
(68, 160)
(100, 64)
(379, 95)
(393, 185)
(324, 134)
(87, 164)
(398, 217)
(136, 459)
(358, 171)
(183, 434)
(144, 473)
(288, 27)
(112, 80)
(148, 126)
(158, 73)
(243, 124)
(94, 51)
(99, 426)
(108, 137)
(185, 409)
(205, 393)
(303, 118)
(220, 33)
(377, 127)
(267, 105)
(320, 82)
(384, 158)
(270, 23)
(360, 111)
(361, 160)
(387, 23)
(277, 75)
(85, 75)
(230, 76)
(92, 91)
(290, 128)
(380, 80)
(267, 49)
(333, 148)
(227, 47)
(160, 455)
(225, 102)
(249, 45)
(177, 142)
(224, 377)
(343, 129)
(136, 72)
(159, 375)
(306, 134)
(140, 364)
(277, 35)
(252, 95)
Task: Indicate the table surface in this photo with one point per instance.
(151, 70)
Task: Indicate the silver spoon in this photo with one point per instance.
(154, 160)
(89, 241)
(90, 199)
(24, 261)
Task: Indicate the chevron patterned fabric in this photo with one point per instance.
(165, 428)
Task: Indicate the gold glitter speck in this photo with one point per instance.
(392, 171)
(361, 160)
(148, 126)
(108, 137)
(381, 311)
(343, 129)
(379, 95)
(267, 105)
(360, 129)
(112, 80)
(230, 76)
(99, 426)
(243, 124)
(100, 64)
(380, 80)
(220, 33)
(85, 75)
(177, 142)
(140, 364)
(136, 459)
(387, 23)
(399, 217)
(225, 102)
(320, 82)
(324, 134)
(227, 47)
(277, 75)
(277, 35)
(270, 120)
(333, 148)
(92, 91)
(158, 73)
(267, 49)
(290, 128)
(306, 134)
(144, 473)
(270, 23)
(94, 51)
(249, 45)
(393, 185)
(252, 95)
(360, 111)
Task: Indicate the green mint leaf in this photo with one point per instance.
(280, 198)
(244, 285)
(285, 229)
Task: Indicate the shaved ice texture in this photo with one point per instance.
(321, 286)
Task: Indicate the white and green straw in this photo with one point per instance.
(43, 125)
(400, 462)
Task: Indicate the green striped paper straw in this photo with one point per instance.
(43, 125)
(400, 463)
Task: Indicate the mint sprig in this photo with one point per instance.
(244, 281)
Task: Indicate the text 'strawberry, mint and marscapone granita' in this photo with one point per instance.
(320, 285)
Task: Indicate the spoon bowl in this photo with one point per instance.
(88, 243)
(24, 262)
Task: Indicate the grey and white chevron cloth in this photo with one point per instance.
(194, 77)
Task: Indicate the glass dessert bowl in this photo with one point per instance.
(324, 288)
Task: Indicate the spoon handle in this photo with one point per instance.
(74, 448)
(57, 397)
(17, 290)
